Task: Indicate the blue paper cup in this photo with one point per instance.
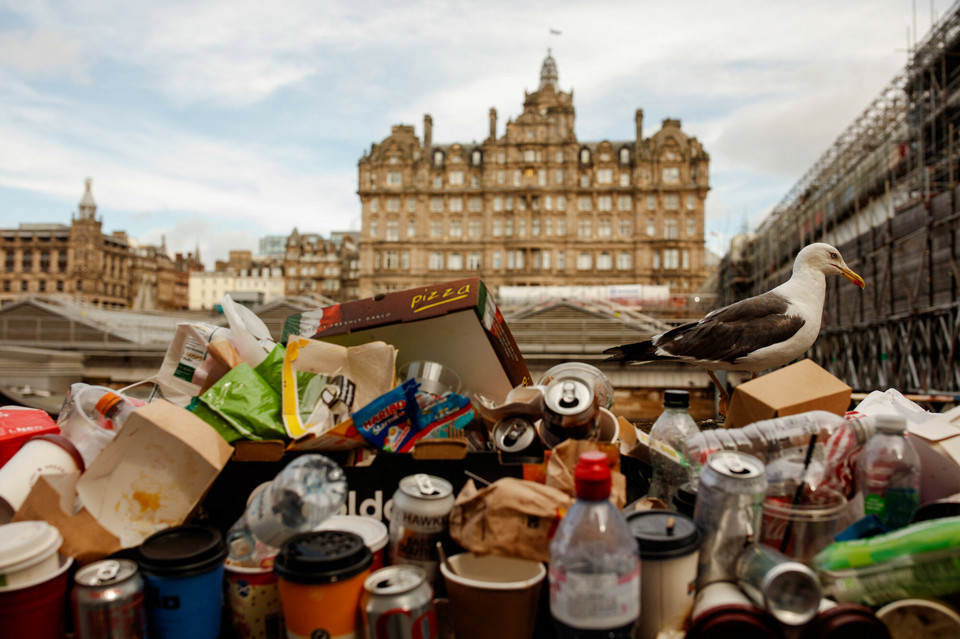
(183, 574)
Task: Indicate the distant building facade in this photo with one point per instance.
(535, 206)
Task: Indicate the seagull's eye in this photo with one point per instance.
(833, 255)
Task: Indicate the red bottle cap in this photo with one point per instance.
(592, 476)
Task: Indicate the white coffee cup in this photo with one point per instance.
(42, 455)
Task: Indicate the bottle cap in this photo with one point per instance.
(676, 399)
(592, 476)
(890, 423)
(106, 402)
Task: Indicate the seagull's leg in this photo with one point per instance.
(724, 395)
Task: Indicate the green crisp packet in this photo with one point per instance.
(247, 402)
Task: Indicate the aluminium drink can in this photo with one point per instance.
(728, 512)
(397, 603)
(789, 590)
(108, 601)
(418, 520)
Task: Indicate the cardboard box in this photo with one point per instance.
(798, 388)
(937, 441)
(151, 476)
(18, 424)
(456, 324)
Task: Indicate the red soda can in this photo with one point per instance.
(108, 601)
(398, 604)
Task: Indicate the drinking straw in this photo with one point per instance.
(798, 493)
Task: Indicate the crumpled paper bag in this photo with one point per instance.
(511, 517)
(563, 459)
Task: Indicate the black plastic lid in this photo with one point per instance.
(686, 499)
(322, 557)
(663, 534)
(182, 551)
(676, 399)
(846, 621)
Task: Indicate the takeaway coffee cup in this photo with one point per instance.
(42, 455)
(374, 532)
(320, 577)
(182, 571)
(35, 608)
(254, 601)
(28, 552)
(493, 596)
(669, 544)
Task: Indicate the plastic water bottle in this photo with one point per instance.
(670, 467)
(889, 473)
(594, 561)
(303, 495)
(765, 439)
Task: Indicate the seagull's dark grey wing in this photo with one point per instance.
(732, 332)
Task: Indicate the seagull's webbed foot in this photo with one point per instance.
(724, 395)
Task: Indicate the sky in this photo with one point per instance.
(212, 123)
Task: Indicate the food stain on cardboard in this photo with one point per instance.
(147, 501)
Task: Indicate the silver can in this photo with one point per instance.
(517, 437)
(398, 604)
(418, 520)
(789, 590)
(570, 410)
(728, 512)
(108, 601)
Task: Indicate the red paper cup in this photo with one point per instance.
(36, 609)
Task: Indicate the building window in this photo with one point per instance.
(561, 203)
(685, 259)
(547, 202)
(584, 203)
(605, 203)
(393, 231)
(501, 176)
(584, 180)
(411, 228)
(10, 261)
(651, 227)
(691, 202)
(671, 259)
(624, 179)
(584, 262)
(436, 228)
(604, 176)
(476, 157)
(542, 177)
(438, 158)
(436, 205)
(584, 228)
(455, 262)
(26, 262)
(476, 228)
(393, 205)
(535, 227)
(405, 260)
(584, 156)
(517, 177)
(23, 285)
(456, 228)
(624, 261)
(438, 181)
(476, 204)
(625, 227)
(558, 157)
(374, 205)
(374, 227)
(497, 227)
(44, 261)
(436, 261)
(624, 202)
(604, 228)
(604, 261)
(558, 176)
(671, 174)
(497, 261)
(59, 285)
(691, 226)
(456, 178)
(670, 228)
(394, 178)
(474, 262)
(390, 260)
(501, 157)
(508, 227)
(521, 227)
(561, 227)
(651, 202)
(411, 205)
(656, 260)
(456, 205)
(624, 155)
(528, 155)
(671, 202)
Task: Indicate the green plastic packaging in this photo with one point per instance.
(927, 536)
(245, 400)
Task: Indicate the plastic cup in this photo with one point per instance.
(433, 377)
(42, 455)
(254, 601)
(809, 526)
(321, 576)
(28, 552)
(35, 609)
(182, 570)
(493, 596)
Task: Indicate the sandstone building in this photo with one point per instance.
(535, 206)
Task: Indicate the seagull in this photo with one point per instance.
(755, 334)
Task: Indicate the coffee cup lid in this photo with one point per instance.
(846, 620)
(663, 534)
(322, 556)
(183, 550)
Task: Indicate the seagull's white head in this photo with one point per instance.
(826, 259)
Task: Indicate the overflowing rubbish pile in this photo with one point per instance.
(388, 469)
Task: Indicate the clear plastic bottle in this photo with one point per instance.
(764, 439)
(594, 562)
(303, 495)
(667, 436)
(889, 473)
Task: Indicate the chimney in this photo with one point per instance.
(639, 118)
(427, 132)
(493, 124)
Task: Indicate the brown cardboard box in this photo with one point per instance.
(798, 388)
(456, 324)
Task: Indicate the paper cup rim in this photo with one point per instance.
(495, 585)
(65, 562)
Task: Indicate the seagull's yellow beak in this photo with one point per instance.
(853, 277)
